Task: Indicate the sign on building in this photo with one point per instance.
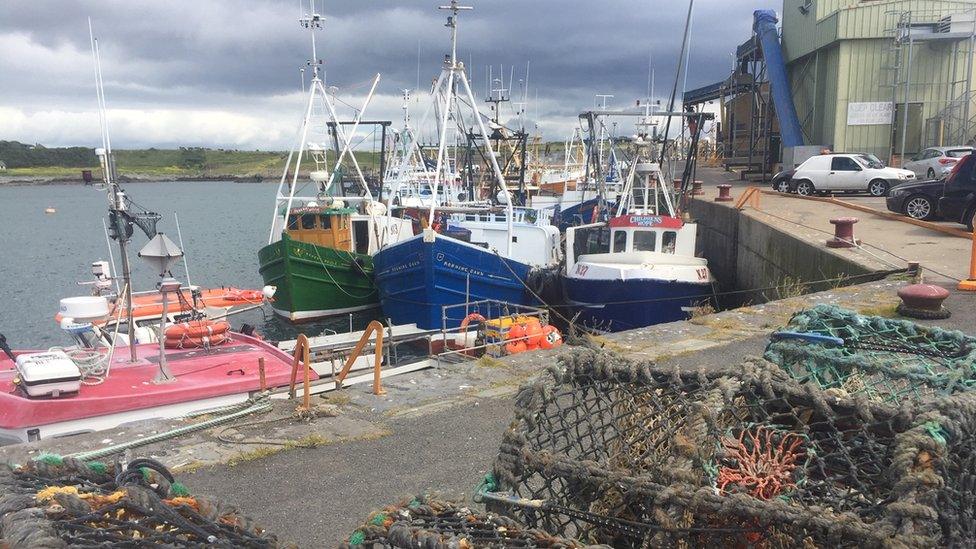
(869, 113)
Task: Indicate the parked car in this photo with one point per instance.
(848, 173)
(958, 200)
(781, 181)
(936, 162)
(916, 199)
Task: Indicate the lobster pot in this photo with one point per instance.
(882, 359)
(630, 455)
(427, 522)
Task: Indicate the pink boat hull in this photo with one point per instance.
(202, 376)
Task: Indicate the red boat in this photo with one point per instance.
(63, 404)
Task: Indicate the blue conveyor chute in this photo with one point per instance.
(791, 134)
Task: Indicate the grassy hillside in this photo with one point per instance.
(38, 161)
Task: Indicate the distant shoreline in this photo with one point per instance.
(26, 181)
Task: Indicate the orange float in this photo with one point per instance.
(533, 333)
(516, 339)
(551, 338)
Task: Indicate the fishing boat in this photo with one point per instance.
(52, 393)
(319, 250)
(639, 268)
(147, 308)
(461, 255)
(197, 363)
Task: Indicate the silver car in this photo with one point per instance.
(936, 162)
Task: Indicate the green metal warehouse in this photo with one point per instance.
(884, 77)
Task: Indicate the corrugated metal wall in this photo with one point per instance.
(837, 54)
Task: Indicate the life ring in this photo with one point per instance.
(462, 337)
(188, 342)
(197, 329)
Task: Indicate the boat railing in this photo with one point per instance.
(485, 315)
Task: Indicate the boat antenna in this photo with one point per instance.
(677, 76)
(120, 226)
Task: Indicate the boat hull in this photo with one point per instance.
(221, 375)
(416, 279)
(615, 305)
(314, 281)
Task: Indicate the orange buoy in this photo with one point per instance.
(533, 333)
(516, 347)
(551, 337)
(197, 329)
(188, 342)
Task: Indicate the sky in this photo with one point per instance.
(226, 73)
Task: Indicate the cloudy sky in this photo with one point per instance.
(225, 73)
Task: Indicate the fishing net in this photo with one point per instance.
(428, 522)
(610, 451)
(59, 502)
(883, 359)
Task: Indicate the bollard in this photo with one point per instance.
(724, 193)
(923, 301)
(843, 233)
(696, 188)
(969, 285)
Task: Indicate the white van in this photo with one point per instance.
(847, 172)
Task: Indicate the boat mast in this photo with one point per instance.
(456, 74)
(314, 21)
(121, 229)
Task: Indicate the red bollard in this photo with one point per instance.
(843, 233)
(923, 301)
(696, 188)
(724, 193)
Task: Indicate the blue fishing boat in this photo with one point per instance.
(639, 268)
(468, 252)
(419, 276)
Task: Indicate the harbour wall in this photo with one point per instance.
(755, 262)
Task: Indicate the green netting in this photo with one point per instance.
(881, 358)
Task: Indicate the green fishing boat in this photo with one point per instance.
(324, 230)
(315, 265)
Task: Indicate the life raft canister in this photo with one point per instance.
(197, 334)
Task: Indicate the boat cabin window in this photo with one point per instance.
(326, 221)
(669, 241)
(308, 221)
(619, 241)
(292, 222)
(645, 241)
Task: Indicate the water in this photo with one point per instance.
(43, 257)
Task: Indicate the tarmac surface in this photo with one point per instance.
(885, 242)
(317, 497)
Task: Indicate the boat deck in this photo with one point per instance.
(208, 377)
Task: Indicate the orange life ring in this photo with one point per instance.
(197, 329)
(463, 332)
(187, 342)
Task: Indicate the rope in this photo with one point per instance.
(259, 404)
(336, 284)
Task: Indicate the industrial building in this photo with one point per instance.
(883, 77)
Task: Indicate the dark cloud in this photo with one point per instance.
(228, 54)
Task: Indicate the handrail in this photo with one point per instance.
(374, 327)
(301, 355)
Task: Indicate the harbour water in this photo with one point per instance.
(44, 256)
